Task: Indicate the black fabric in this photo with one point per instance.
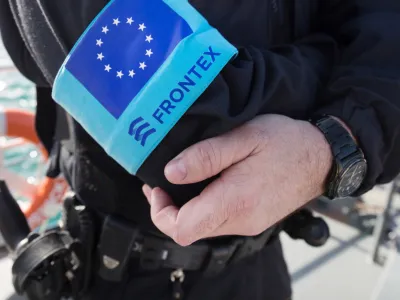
(364, 87)
(287, 51)
(339, 57)
(32, 18)
(15, 46)
(263, 276)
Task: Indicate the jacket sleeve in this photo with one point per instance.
(284, 79)
(16, 48)
(364, 90)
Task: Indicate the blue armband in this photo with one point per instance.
(136, 70)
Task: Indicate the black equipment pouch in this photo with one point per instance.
(115, 248)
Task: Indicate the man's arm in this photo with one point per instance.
(260, 186)
(282, 80)
(364, 90)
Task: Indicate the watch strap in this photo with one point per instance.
(342, 143)
(344, 150)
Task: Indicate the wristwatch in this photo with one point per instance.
(349, 164)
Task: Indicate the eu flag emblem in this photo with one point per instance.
(136, 70)
(124, 48)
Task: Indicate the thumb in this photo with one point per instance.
(210, 157)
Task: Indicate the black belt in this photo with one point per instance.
(120, 242)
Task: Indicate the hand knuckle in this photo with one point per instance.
(156, 218)
(207, 156)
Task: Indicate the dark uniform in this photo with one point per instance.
(296, 58)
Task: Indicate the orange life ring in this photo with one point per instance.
(49, 192)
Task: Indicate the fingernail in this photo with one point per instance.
(176, 169)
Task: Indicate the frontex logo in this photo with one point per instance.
(137, 129)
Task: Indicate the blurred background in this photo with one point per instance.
(360, 261)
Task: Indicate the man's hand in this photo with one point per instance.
(269, 167)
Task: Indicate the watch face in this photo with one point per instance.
(352, 179)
